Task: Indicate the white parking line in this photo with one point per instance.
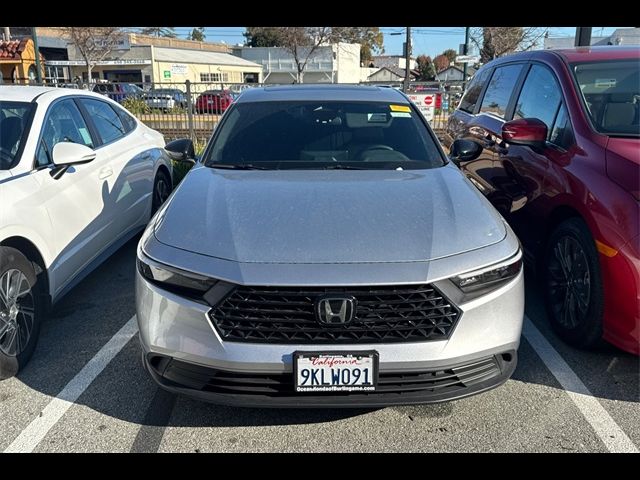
(605, 427)
(31, 436)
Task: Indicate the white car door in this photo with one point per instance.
(75, 200)
(127, 168)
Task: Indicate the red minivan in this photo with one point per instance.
(552, 138)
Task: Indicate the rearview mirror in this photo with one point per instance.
(464, 151)
(181, 150)
(525, 131)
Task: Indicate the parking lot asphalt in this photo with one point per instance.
(85, 390)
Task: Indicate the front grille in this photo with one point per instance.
(446, 381)
(285, 315)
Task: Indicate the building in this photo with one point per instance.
(18, 61)
(621, 36)
(390, 74)
(454, 73)
(335, 63)
(179, 65)
(391, 61)
(140, 58)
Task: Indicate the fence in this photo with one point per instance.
(177, 110)
(193, 110)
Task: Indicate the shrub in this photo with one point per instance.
(177, 110)
(180, 169)
(136, 106)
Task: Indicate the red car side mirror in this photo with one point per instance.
(525, 131)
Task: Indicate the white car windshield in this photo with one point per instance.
(14, 119)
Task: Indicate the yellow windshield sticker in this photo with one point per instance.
(400, 108)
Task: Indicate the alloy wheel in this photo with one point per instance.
(17, 312)
(569, 282)
(161, 190)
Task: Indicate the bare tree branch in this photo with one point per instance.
(303, 42)
(94, 43)
(494, 42)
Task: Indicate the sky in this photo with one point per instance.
(428, 40)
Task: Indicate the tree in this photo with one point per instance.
(263, 36)
(425, 68)
(371, 40)
(441, 62)
(159, 31)
(197, 34)
(495, 42)
(451, 54)
(302, 42)
(94, 43)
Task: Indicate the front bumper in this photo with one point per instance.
(179, 330)
(277, 390)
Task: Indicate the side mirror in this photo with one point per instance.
(525, 131)
(66, 154)
(181, 150)
(464, 151)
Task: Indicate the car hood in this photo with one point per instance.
(335, 216)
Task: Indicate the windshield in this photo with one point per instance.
(611, 92)
(286, 135)
(14, 117)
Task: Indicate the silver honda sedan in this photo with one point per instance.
(325, 252)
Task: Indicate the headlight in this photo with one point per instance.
(173, 279)
(491, 277)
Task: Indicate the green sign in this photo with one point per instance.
(167, 73)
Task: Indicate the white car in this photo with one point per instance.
(79, 177)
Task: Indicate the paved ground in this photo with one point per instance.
(559, 399)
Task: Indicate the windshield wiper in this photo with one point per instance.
(240, 166)
(338, 166)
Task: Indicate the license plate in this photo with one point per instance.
(335, 372)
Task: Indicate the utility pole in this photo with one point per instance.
(465, 51)
(583, 36)
(37, 51)
(407, 59)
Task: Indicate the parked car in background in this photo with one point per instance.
(79, 176)
(337, 259)
(66, 85)
(165, 98)
(559, 155)
(118, 91)
(239, 88)
(131, 90)
(214, 101)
